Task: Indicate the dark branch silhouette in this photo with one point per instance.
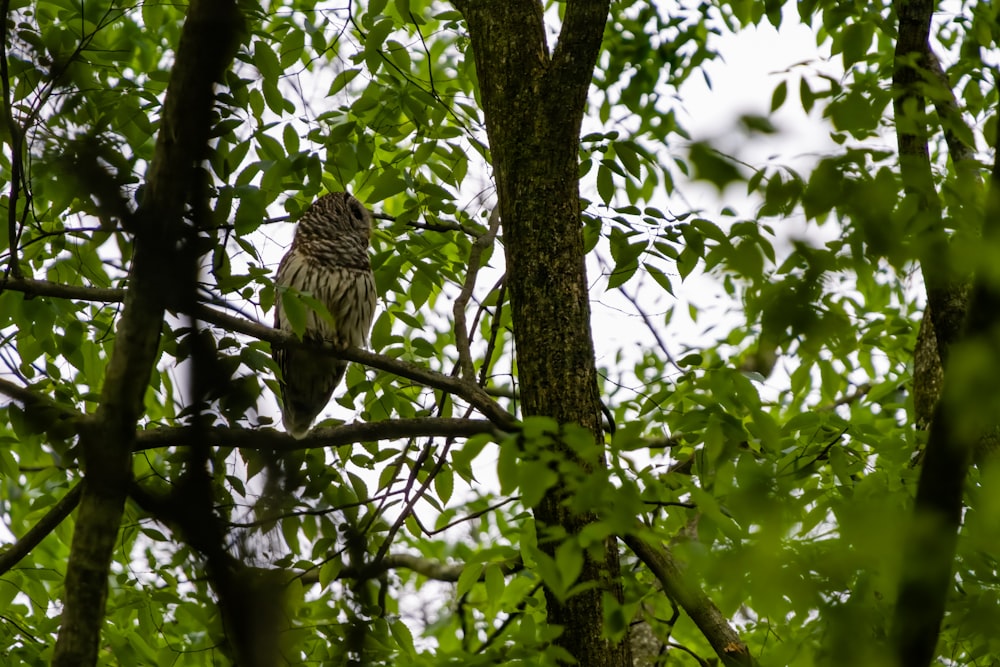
(13, 554)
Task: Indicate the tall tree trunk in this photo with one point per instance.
(965, 325)
(534, 103)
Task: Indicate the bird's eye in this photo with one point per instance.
(357, 210)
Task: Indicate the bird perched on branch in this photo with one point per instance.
(328, 261)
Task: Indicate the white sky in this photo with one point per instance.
(753, 62)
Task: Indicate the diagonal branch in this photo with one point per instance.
(963, 416)
(469, 391)
(423, 566)
(633, 299)
(32, 399)
(13, 554)
(713, 625)
(963, 156)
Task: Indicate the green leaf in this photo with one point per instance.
(468, 578)
(550, 572)
(627, 153)
(779, 95)
(294, 309)
(806, 95)
(605, 186)
(404, 638)
(374, 41)
(856, 38)
(250, 211)
(660, 277)
(387, 184)
(329, 571)
(712, 166)
(534, 479)
(507, 465)
(494, 582)
(341, 80)
(291, 139)
(444, 484)
(266, 62)
(569, 560)
(622, 274)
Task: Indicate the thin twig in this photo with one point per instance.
(30, 398)
(426, 567)
(21, 629)
(269, 521)
(474, 515)
(491, 343)
(443, 227)
(510, 618)
(427, 52)
(946, 104)
(480, 245)
(411, 502)
(847, 399)
(701, 661)
(652, 329)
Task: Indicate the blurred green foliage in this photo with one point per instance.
(775, 456)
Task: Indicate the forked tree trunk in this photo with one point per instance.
(534, 103)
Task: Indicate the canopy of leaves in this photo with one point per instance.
(775, 456)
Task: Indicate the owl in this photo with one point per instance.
(328, 260)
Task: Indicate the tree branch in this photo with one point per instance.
(946, 284)
(724, 640)
(930, 546)
(963, 156)
(423, 566)
(482, 242)
(963, 416)
(468, 391)
(60, 291)
(13, 554)
(267, 438)
(270, 439)
(34, 400)
(16, 148)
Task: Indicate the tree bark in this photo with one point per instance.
(209, 36)
(963, 323)
(534, 103)
(720, 634)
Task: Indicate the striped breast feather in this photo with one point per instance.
(347, 293)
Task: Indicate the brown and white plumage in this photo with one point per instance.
(328, 260)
